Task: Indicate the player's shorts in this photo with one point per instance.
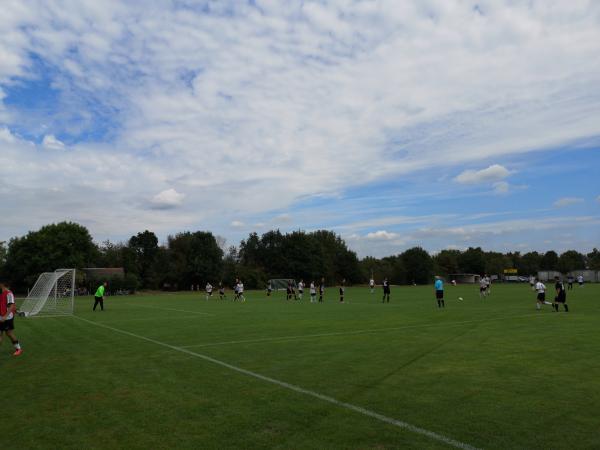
(482, 289)
(386, 290)
(301, 291)
(7, 325)
(580, 283)
(439, 294)
(341, 292)
(541, 296)
(560, 299)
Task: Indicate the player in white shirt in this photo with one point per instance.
(580, 280)
(7, 317)
(482, 287)
(209, 290)
(372, 285)
(488, 282)
(540, 289)
(300, 289)
(240, 290)
(313, 292)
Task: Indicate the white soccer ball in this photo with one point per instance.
(460, 299)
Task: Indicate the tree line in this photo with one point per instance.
(193, 258)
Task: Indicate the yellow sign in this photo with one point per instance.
(510, 271)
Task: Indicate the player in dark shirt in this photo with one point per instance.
(561, 295)
(342, 290)
(321, 290)
(570, 282)
(386, 291)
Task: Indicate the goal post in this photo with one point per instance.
(280, 284)
(51, 295)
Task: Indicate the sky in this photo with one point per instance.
(443, 124)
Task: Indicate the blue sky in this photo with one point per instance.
(440, 124)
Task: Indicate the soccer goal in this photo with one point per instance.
(280, 284)
(51, 295)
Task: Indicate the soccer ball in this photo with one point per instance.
(460, 299)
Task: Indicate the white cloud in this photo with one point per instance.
(381, 235)
(598, 199)
(237, 224)
(492, 173)
(501, 187)
(249, 111)
(168, 198)
(283, 218)
(567, 201)
(6, 135)
(50, 142)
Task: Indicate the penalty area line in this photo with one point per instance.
(292, 387)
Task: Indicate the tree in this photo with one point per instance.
(417, 266)
(472, 261)
(496, 262)
(446, 261)
(144, 247)
(549, 261)
(194, 258)
(594, 260)
(571, 260)
(3, 255)
(55, 246)
(530, 263)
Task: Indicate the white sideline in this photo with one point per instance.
(398, 423)
(347, 333)
(169, 309)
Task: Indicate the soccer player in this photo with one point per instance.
(321, 290)
(342, 290)
(386, 291)
(209, 290)
(99, 296)
(561, 295)
(482, 287)
(221, 291)
(488, 285)
(580, 280)
(7, 317)
(240, 291)
(540, 288)
(570, 280)
(236, 292)
(288, 290)
(300, 289)
(372, 285)
(313, 292)
(439, 292)
(269, 289)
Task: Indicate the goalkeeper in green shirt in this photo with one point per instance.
(99, 296)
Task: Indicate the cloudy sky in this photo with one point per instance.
(442, 123)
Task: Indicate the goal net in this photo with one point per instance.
(51, 295)
(280, 284)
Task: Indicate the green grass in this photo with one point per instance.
(490, 373)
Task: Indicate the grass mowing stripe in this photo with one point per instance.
(167, 309)
(398, 423)
(348, 333)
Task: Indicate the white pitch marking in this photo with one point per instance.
(347, 333)
(399, 423)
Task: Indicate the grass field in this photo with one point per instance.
(176, 371)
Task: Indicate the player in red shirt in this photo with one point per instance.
(7, 317)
